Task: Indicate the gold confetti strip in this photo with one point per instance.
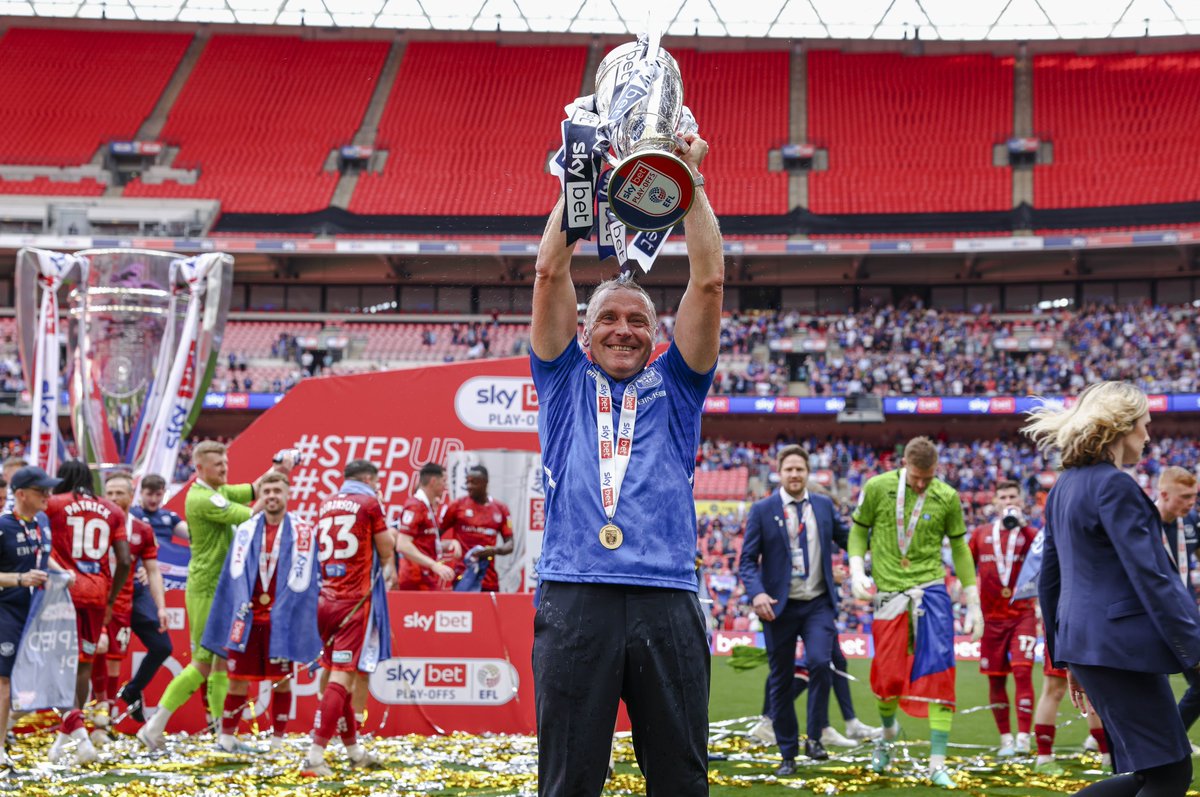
(491, 765)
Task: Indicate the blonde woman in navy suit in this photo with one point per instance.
(1117, 616)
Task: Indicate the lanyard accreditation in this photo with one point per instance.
(904, 533)
(1004, 560)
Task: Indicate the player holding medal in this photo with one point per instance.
(909, 512)
(618, 615)
(1010, 627)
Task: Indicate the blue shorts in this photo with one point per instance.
(12, 623)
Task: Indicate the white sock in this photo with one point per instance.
(890, 733)
(1045, 759)
(226, 741)
(80, 733)
(1006, 740)
(316, 755)
(1023, 742)
(355, 751)
(937, 762)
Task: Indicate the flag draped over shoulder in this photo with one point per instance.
(294, 633)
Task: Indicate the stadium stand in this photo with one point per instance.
(1122, 127)
(44, 186)
(909, 135)
(465, 132)
(740, 100)
(260, 115)
(68, 92)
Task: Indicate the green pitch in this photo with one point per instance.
(496, 766)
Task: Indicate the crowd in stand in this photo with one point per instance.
(917, 350)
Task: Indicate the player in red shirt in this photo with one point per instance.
(480, 522)
(140, 608)
(83, 529)
(351, 533)
(1010, 627)
(418, 538)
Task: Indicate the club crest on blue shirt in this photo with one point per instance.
(648, 379)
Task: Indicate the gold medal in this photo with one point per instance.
(611, 536)
(904, 562)
(264, 599)
(1006, 592)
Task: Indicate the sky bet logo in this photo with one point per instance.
(441, 622)
(497, 404)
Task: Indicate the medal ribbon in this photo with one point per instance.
(1004, 562)
(614, 448)
(904, 534)
(268, 563)
(437, 532)
(1181, 557)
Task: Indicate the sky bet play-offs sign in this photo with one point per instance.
(457, 681)
(497, 404)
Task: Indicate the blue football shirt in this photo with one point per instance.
(655, 511)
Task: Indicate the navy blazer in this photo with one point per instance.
(1110, 596)
(766, 561)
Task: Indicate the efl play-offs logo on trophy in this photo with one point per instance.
(634, 123)
(144, 334)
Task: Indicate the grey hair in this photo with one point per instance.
(623, 282)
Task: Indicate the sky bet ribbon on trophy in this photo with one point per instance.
(634, 122)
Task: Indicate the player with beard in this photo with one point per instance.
(481, 525)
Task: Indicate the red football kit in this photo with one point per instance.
(143, 545)
(472, 524)
(417, 521)
(346, 529)
(83, 529)
(1010, 627)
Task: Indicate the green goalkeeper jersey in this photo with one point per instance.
(941, 516)
(212, 515)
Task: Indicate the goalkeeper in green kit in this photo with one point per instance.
(213, 509)
(907, 513)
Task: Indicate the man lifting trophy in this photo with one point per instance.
(635, 124)
(143, 339)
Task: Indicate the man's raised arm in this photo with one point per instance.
(698, 322)
(555, 316)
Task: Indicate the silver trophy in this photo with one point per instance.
(144, 336)
(640, 93)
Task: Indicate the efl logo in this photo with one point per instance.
(447, 622)
(446, 675)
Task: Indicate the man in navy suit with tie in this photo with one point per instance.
(786, 568)
(1176, 502)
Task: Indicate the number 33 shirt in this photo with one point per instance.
(346, 529)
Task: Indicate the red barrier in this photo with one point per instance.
(461, 662)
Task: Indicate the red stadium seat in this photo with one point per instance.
(66, 93)
(1125, 129)
(259, 116)
(909, 134)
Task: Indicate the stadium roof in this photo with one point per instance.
(788, 19)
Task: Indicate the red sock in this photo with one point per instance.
(1023, 689)
(281, 711)
(113, 683)
(99, 682)
(998, 693)
(72, 722)
(1101, 739)
(325, 724)
(349, 726)
(1045, 739)
(232, 714)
